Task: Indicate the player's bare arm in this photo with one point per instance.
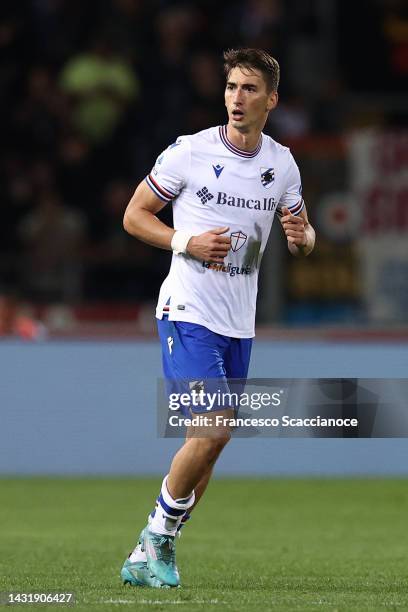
(140, 218)
(299, 232)
(140, 221)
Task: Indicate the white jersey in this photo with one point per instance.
(213, 184)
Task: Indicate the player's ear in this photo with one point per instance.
(272, 101)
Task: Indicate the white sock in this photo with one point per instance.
(137, 555)
(167, 516)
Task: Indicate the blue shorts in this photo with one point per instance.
(196, 358)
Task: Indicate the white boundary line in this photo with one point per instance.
(155, 602)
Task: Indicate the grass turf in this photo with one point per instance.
(251, 545)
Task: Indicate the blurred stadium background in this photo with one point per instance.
(90, 93)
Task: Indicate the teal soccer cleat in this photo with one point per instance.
(161, 557)
(138, 574)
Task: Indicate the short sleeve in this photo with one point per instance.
(170, 172)
(292, 196)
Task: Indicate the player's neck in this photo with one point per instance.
(244, 141)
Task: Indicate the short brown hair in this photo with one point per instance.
(254, 59)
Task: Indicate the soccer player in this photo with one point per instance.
(225, 184)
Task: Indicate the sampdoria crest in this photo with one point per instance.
(267, 177)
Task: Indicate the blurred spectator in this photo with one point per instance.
(38, 118)
(59, 26)
(116, 256)
(14, 322)
(395, 26)
(207, 90)
(290, 119)
(175, 28)
(102, 83)
(17, 194)
(130, 25)
(331, 109)
(53, 236)
(77, 172)
(261, 23)
(381, 63)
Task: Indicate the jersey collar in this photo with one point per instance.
(226, 142)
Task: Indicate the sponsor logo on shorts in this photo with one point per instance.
(170, 344)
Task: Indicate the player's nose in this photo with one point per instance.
(237, 97)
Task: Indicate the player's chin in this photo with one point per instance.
(239, 126)
(236, 122)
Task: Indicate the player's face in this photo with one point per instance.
(247, 99)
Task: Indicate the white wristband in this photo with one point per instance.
(180, 241)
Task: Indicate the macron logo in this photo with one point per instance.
(218, 169)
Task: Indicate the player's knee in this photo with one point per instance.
(212, 446)
(220, 441)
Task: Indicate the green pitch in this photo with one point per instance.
(252, 544)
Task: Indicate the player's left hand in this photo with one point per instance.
(294, 228)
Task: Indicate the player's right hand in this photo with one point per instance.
(211, 246)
